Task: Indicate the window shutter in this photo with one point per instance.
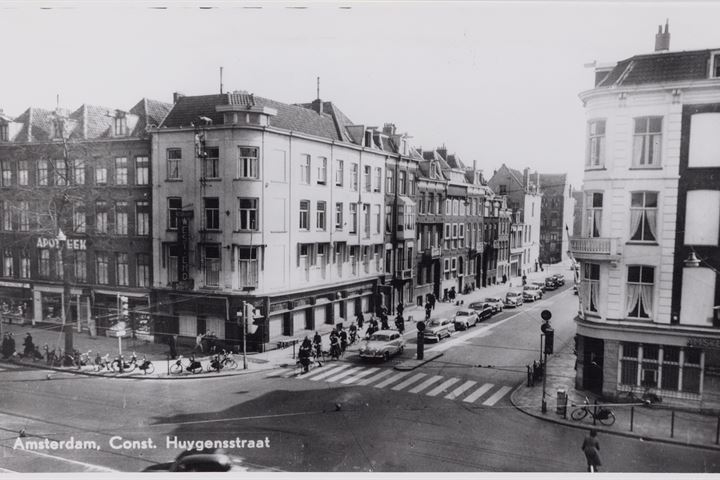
(298, 254)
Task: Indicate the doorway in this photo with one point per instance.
(593, 359)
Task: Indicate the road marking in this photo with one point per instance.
(360, 375)
(89, 466)
(442, 387)
(5, 470)
(340, 375)
(392, 379)
(426, 384)
(497, 396)
(455, 393)
(327, 373)
(380, 375)
(478, 393)
(408, 382)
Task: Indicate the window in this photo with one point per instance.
(378, 221)
(101, 217)
(211, 162)
(455, 206)
(142, 171)
(643, 216)
(7, 215)
(8, 263)
(6, 167)
(80, 266)
(77, 173)
(647, 141)
(142, 271)
(702, 217)
(142, 218)
(101, 268)
(44, 264)
(390, 181)
(367, 177)
(353, 217)
(25, 264)
(338, 216)
(42, 173)
(639, 296)
(305, 169)
(366, 218)
(121, 171)
(660, 366)
(590, 286)
(377, 183)
(704, 140)
(211, 207)
(402, 183)
(100, 174)
(247, 266)
(593, 214)
(120, 125)
(121, 218)
(503, 189)
(339, 172)
(304, 215)
(121, 268)
(174, 157)
(174, 205)
(24, 217)
(4, 132)
(173, 252)
(247, 164)
(354, 177)
(23, 168)
(79, 216)
(320, 215)
(248, 213)
(211, 264)
(61, 173)
(596, 143)
(411, 184)
(322, 171)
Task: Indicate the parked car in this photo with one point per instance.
(531, 293)
(513, 299)
(551, 283)
(559, 279)
(540, 285)
(207, 460)
(465, 318)
(382, 344)
(438, 328)
(496, 303)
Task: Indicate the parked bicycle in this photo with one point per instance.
(596, 412)
(146, 365)
(222, 360)
(102, 363)
(192, 366)
(648, 398)
(119, 365)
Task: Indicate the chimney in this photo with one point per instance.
(662, 40)
(442, 151)
(526, 178)
(317, 105)
(389, 129)
(177, 96)
(537, 182)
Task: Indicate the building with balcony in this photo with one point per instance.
(648, 245)
(557, 211)
(274, 204)
(75, 206)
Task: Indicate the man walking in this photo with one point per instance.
(591, 448)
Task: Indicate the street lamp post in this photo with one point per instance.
(66, 299)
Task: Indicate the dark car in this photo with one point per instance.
(209, 460)
(559, 279)
(551, 283)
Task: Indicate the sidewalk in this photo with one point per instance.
(654, 424)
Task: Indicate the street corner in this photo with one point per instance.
(412, 364)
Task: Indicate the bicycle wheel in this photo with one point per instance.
(608, 420)
(176, 369)
(115, 365)
(231, 364)
(150, 368)
(579, 413)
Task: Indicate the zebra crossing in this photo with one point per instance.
(454, 388)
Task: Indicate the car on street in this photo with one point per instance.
(559, 279)
(551, 283)
(496, 303)
(382, 344)
(513, 299)
(206, 460)
(465, 318)
(540, 285)
(532, 293)
(437, 329)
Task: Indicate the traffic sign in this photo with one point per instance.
(546, 315)
(121, 333)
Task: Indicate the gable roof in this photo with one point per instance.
(659, 68)
(150, 113)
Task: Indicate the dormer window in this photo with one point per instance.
(120, 124)
(4, 132)
(715, 65)
(368, 139)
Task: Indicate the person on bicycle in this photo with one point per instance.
(343, 340)
(304, 354)
(353, 333)
(335, 350)
(194, 364)
(591, 448)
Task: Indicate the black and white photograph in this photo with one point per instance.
(359, 237)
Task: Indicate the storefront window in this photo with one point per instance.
(52, 307)
(660, 366)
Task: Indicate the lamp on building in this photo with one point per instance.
(692, 261)
(61, 235)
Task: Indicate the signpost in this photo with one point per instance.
(546, 315)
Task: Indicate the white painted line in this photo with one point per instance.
(444, 386)
(89, 466)
(497, 396)
(392, 379)
(458, 391)
(340, 375)
(478, 393)
(360, 375)
(327, 373)
(426, 384)
(5, 470)
(380, 375)
(408, 382)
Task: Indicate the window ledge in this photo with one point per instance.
(595, 168)
(173, 179)
(650, 167)
(246, 179)
(245, 231)
(640, 242)
(210, 179)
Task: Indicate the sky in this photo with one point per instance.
(494, 82)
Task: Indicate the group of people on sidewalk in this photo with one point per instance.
(7, 350)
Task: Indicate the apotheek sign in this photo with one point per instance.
(70, 243)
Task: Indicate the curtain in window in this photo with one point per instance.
(597, 216)
(646, 293)
(651, 216)
(594, 294)
(633, 296)
(636, 216)
(638, 144)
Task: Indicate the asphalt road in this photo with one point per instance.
(377, 428)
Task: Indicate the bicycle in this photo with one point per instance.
(127, 367)
(602, 414)
(648, 398)
(178, 367)
(146, 365)
(222, 360)
(102, 363)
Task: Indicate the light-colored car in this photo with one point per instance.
(496, 303)
(382, 344)
(484, 310)
(531, 293)
(438, 328)
(513, 299)
(465, 318)
(540, 285)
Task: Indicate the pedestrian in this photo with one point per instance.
(591, 449)
(428, 309)
(11, 345)
(504, 279)
(524, 279)
(198, 343)
(5, 345)
(360, 319)
(432, 300)
(400, 308)
(29, 348)
(172, 343)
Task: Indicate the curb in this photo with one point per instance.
(404, 366)
(602, 429)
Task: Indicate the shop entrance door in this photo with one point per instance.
(593, 357)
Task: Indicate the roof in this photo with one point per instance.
(296, 118)
(552, 180)
(659, 68)
(151, 113)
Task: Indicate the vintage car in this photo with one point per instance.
(531, 293)
(496, 303)
(465, 318)
(208, 460)
(551, 283)
(559, 279)
(513, 299)
(382, 344)
(438, 328)
(540, 285)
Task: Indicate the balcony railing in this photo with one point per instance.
(596, 248)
